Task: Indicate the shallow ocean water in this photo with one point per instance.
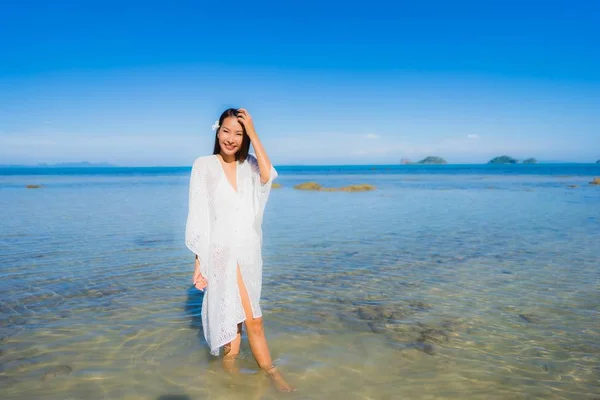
(470, 283)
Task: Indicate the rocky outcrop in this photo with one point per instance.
(275, 185)
(595, 181)
(308, 186)
(33, 186)
(350, 188)
(357, 188)
(530, 161)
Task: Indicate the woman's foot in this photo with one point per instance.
(277, 379)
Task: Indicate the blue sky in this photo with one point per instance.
(141, 83)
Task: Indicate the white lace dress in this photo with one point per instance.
(224, 229)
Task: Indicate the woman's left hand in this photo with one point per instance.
(245, 119)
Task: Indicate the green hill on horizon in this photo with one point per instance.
(432, 160)
(503, 160)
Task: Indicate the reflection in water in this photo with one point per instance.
(193, 310)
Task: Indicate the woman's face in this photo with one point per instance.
(230, 136)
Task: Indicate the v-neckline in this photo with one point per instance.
(237, 172)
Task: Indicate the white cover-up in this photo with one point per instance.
(224, 228)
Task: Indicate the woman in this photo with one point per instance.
(228, 194)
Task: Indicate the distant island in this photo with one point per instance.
(509, 160)
(496, 160)
(82, 164)
(503, 160)
(598, 162)
(432, 160)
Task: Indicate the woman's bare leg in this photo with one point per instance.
(258, 341)
(231, 351)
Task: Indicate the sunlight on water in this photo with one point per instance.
(434, 286)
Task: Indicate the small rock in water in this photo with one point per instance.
(58, 370)
(374, 313)
(33, 186)
(376, 327)
(528, 318)
(367, 313)
(424, 347)
(595, 181)
(432, 335)
(413, 354)
(6, 381)
(428, 349)
(507, 272)
(419, 305)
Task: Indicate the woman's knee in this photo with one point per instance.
(255, 326)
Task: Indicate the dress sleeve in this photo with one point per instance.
(261, 190)
(197, 229)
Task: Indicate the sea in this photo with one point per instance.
(445, 282)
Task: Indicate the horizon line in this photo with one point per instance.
(108, 165)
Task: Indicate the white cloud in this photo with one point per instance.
(473, 136)
(371, 136)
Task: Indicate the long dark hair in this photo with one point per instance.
(242, 153)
